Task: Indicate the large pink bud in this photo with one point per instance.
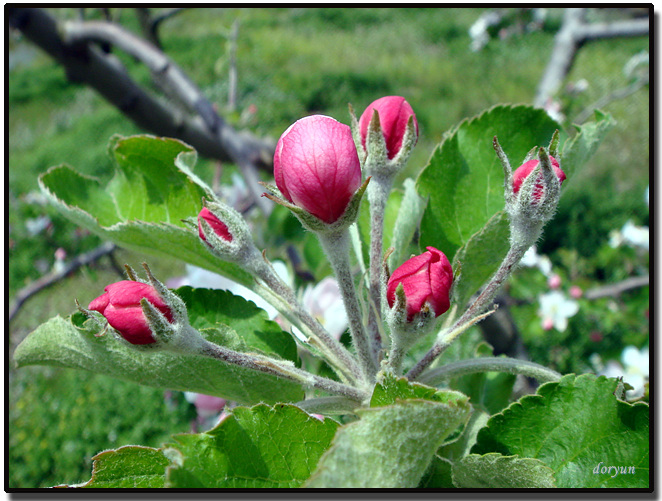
(527, 168)
(316, 166)
(120, 305)
(394, 113)
(426, 279)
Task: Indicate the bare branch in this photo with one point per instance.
(84, 63)
(574, 32)
(54, 276)
(618, 288)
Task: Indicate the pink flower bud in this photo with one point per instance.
(219, 227)
(316, 166)
(576, 292)
(554, 282)
(426, 279)
(527, 168)
(120, 305)
(394, 113)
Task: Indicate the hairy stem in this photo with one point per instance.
(490, 364)
(336, 247)
(281, 369)
(378, 191)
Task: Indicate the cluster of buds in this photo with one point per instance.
(322, 169)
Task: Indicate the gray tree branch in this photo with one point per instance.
(573, 33)
(198, 125)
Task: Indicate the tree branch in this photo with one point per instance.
(50, 278)
(618, 288)
(208, 133)
(573, 33)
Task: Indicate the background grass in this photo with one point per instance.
(291, 62)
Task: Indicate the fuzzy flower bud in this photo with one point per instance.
(524, 170)
(120, 305)
(426, 280)
(394, 114)
(316, 166)
(219, 227)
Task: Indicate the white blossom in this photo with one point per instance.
(555, 309)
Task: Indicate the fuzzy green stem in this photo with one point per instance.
(281, 369)
(328, 405)
(489, 364)
(336, 247)
(336, 354)
(378, 191)
(482, 302)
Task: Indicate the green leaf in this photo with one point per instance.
(252, 329)
(73, 343)
(131, 466)
(390, 216)
(480, 257)
(391, 446)
(438, 475)
(258, 447)
(575, 426)
(582, 146)
(494, 471)
(406, 223)
(464, 179)
(141, 208)
(393, 389)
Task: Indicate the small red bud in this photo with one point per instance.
(527, 168)
(120, 305)
(426, 278)
(394, 113)
(219, 227)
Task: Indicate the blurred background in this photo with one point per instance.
(580, 303)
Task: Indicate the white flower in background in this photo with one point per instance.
(555, 309)
(630, 234)
(478, 30)
(532, 259)
(325, 303)
(634, 369)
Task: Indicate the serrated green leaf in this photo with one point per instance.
(72, 343)
(141, 208)
(578, 149)
(464, 179)
(389, 447)
(129, 467)
(480, 257)
(254, 331)
(258, 447)
(494, 471)
(575, 426)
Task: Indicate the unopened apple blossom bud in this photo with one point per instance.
(120, 305)
(525, 170)
(426, 279)
(219, 227)
(532, 192)
(394, 114)
(317, 168)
